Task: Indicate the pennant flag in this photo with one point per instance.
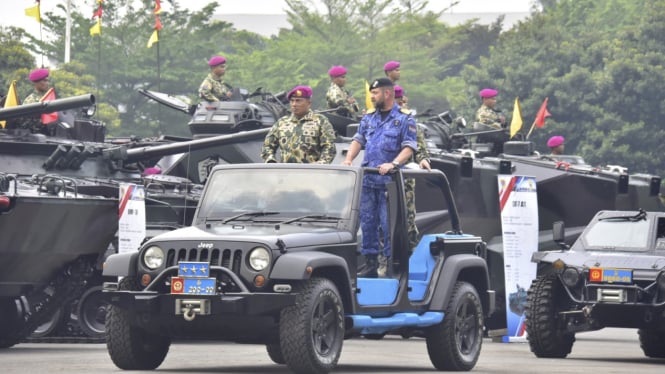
(11, 100)
(542, 114)
(154, 38)
(158, 7)
(368, 97)
(96, 29)
(34, 12)
(49, 117)
(158, 24)
(516, 121)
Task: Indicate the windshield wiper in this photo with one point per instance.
(245, 214)
(640, 216)
(314, 217)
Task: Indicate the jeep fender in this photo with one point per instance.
(467, 268)
(294, 265)
(121, 264)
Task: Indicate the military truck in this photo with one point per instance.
(271, 258)
(612, 276)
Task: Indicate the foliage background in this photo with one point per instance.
(600, 63)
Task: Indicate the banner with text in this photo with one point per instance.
(519, 224)
(131, 224)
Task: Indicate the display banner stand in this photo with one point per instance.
(131, 215)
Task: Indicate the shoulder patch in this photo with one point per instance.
(405, 111)
(370, 110)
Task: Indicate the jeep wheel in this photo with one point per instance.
(275, 353)
(311, 332)
(130, 347)
(10, 322)
(545, 331)
(652, 342)
(454, 344)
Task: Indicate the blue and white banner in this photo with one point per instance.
(131, 214)
(519, 225)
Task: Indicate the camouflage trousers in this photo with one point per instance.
(410, 199)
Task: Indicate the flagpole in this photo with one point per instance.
(68, 31)
(159, 89)
(530, 130)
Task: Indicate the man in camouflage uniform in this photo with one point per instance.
(487, 114)
(303, 136)
(337, 96)
(41, 84)
(213, 87)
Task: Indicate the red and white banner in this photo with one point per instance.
(131, 214)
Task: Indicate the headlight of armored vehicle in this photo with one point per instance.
(153, 257)
(259, 258)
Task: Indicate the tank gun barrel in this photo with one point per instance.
(141, 153)
(47, 106)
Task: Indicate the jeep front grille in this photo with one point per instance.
(228, 258)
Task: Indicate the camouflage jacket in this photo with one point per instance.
(338, 97)
(421, 153)
(213, 90)
(34, 97)
(31, 122)
(310, 139)
(490, 117)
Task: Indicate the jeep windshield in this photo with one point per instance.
(278, 195)
(621, 233)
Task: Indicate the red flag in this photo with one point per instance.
(98, 12)
(158, 7)
(158, 24)
(49, 117)
(542, 114)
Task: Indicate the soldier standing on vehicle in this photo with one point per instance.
(40, 82)
(556, 145)
(337, 96)
(213, 87)
(391, 68)
(303, 136)
(388, 135)
(488, 114)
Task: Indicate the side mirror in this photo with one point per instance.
(559, 234)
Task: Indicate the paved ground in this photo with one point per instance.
(605, 351)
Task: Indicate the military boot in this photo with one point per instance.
(369, 269)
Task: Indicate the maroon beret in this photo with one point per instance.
(216, 60)
(399, 92)
(391, 65)
(486, 93)
(38, 74)
(300, 91)
(337, 71)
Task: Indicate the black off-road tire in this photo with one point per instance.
(9, 323)
(275, 353)
(130, 347)
(652, 342)
(455, 343)
(545, 331)
(92, 309)
(311, 332)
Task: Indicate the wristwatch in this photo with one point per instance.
(395, 163)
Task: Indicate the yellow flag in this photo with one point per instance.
(368, 97)
(97, 28)
(33, 12)
(10, 100)
(516, 122)
(154, 38)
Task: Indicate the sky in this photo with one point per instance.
(13, 11)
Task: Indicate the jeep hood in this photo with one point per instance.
(293, 236)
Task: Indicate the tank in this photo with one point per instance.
(56, 184)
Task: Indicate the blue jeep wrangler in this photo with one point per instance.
(271, 258)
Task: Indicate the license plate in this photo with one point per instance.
(193, 286)
(600, 275)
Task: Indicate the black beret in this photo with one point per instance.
(381, 82)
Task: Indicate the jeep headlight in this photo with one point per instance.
(153, 257)
(570, 276)
(259, 258)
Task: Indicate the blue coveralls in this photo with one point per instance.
(383, 140)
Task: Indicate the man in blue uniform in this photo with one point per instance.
(388, 135)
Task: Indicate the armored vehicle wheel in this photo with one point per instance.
(92, 309)
(311, 332)
(545, 333)
(652, 342)
(9, 317)
(130, 347)
(454, 344)
(48, 326)
(275, 353)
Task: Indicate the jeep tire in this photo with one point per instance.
(545, 333)
(275, 353)
(311, 331)
(131, 347)
(454, 344)
(652, 342)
